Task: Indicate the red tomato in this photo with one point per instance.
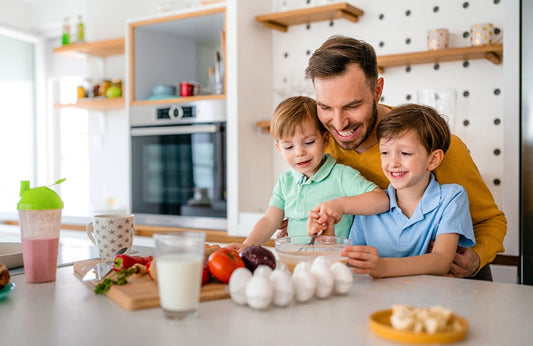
(223, 262)
(206, 275)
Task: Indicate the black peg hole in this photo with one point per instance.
(408, 69)
(466, 34)
(408, 13)
(497, 152)
(466, 93)
(407, 40)
(308, 52)
(408, 97)
(466, 4)
(381, 44)
(331, 23)
(285, 55)
(436, 67)
(382, 99)
(381, 16)
(497, 91)
(497, 121)
(496, 182)
(496, 2)
(436, 9)
(466, 123)
(308, 26)
(497, 31)
(466, 63)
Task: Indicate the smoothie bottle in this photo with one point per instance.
(39, 211)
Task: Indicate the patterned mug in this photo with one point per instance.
(438, 39)
(484, 33)
(110, 233)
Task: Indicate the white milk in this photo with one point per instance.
(179, 279)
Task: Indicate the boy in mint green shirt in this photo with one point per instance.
(315, 177)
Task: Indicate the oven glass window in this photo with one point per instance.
(179, 174)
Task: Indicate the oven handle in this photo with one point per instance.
(174, 130)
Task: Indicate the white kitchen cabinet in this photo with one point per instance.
(181, 45)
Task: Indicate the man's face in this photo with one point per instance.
(347, 106)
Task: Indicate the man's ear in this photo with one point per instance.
(378, 89)
(435, 159)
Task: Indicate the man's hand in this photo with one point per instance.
(465, 263)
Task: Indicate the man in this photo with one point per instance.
(347, 87)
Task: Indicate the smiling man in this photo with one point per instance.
(347, 87)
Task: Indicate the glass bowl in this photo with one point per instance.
(292, 250)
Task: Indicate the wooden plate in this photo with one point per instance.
(380, 324)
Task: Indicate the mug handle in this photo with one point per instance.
(89, 232)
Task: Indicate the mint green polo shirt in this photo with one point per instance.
(296, 195)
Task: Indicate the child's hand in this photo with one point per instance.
(329, 209)
(314, 226)
(363, 259)
(235, 246)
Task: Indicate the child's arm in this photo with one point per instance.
(368, 203)
(366, 260)
(263, 230)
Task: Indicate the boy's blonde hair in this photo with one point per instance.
(426, 122)
(293, 112)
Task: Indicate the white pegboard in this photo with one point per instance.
(395, 27)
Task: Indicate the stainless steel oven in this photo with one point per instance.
(178, 164)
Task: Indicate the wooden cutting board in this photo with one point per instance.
(141, 292)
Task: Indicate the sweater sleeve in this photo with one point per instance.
(490, 224)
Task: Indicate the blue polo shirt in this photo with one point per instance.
(296, 195)
(442, 209)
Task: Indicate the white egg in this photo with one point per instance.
(304, 285)
(343, 277)
(237, 285)
(322, 260)
(259, 292)
(302, 266)
(324, 279)
(263, 270)
(283, 288)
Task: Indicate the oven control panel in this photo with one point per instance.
(176, 112)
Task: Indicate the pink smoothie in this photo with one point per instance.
(40, 259)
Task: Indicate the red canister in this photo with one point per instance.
(189, 89)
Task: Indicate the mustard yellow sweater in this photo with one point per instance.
(490, 224)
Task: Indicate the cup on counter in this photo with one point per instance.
(179, 263)
(484, 33)
(110, 233)
(39, 211)
(438, 38)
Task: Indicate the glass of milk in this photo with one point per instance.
(179, 261)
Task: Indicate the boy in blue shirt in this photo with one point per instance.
(412, 141)
(314, 177)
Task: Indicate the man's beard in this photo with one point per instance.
(358, 141)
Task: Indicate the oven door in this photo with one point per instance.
(179, 170)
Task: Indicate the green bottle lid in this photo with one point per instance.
(38, 198)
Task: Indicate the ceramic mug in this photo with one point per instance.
(438, 39)
(484, 33)
(110, 233)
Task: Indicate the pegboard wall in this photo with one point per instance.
(474, 87)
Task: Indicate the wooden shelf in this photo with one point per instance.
(99, 48)
(264, 125)
(493, 53)
(178, 100)
(282, 20)
(101, 104)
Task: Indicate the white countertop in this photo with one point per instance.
(67, 312)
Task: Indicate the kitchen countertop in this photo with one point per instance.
(67, 312)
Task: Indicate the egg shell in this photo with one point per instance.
(324, 280)
(343, 277)
(306, 266)
(322, 260)
(283, 288)
(259, 292)
(237, 285)
(263, 270)
(304, 285)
